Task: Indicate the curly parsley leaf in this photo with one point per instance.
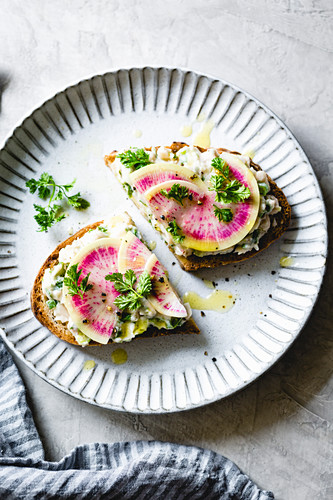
(47, 217)
(130, 298)
(46, 187)
(176, 232)
(222, 167)
(134, 158)
(223, 214)
(177, 192)
(227, 190)
(71, 281)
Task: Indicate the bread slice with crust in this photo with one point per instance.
(44, 314)
(282, 220)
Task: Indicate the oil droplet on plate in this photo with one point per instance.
(89, 364)
(251, 153)
(119, 356)
(186, 130)
(286, 261)
(209, 284)
(201, 117)
(203, 137)
(219, 301)
(137, 133)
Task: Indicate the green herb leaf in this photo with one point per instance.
(102, 229)
(227, 190)
(177, 192)
(71, 280)
(223, 214)
(46, 187)
(144, 284)
(47, 217)
(175, 230)
(130, 298)
(128, 188)
(134, 158)
(51, 304)
(222, 167)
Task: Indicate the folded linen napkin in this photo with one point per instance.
(121, 471)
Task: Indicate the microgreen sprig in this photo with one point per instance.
(46, 187)
(227, 190)
(177, 192)
(71, 281)
(130, 297)
(176, 232)
(134, 158)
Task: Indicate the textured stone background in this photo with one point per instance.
(278, 430)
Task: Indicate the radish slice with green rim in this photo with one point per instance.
(200, 227)
(90, 314)
(164, 299)
(151, 175)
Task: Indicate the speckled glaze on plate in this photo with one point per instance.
(68, 137)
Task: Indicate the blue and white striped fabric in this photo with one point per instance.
(137, 471)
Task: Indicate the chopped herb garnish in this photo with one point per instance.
(102, 229)
(59, 283)
(134, 158)
(227, 190)
(223, 214)
(51, 304)
(128, 188)
(71, 280)
(175, 230)
(263, 188)
(177, 192)
(46, 187)
(130, 297)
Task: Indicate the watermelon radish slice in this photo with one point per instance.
(133, 254)
(91, 315)
(154, 174)
(164, 298)
(202, 230)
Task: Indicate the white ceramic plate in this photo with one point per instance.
(68, 137)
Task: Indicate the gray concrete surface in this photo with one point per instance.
(279, 430)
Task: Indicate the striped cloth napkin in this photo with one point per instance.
(122, 471)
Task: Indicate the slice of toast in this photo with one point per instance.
(44, 314)
(193, 262)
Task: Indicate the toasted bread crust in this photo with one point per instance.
(193, 262)
(44, 314)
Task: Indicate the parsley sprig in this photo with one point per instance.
(227, 190)
(134, 158)
(130, 297)
(176, 232)
(223, 214)
(177, 192)
(71, 280)
(46, 187)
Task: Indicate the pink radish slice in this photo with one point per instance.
(201, 228)
(133, 254)
(89, 313)
(154, 174)
(163, 299)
